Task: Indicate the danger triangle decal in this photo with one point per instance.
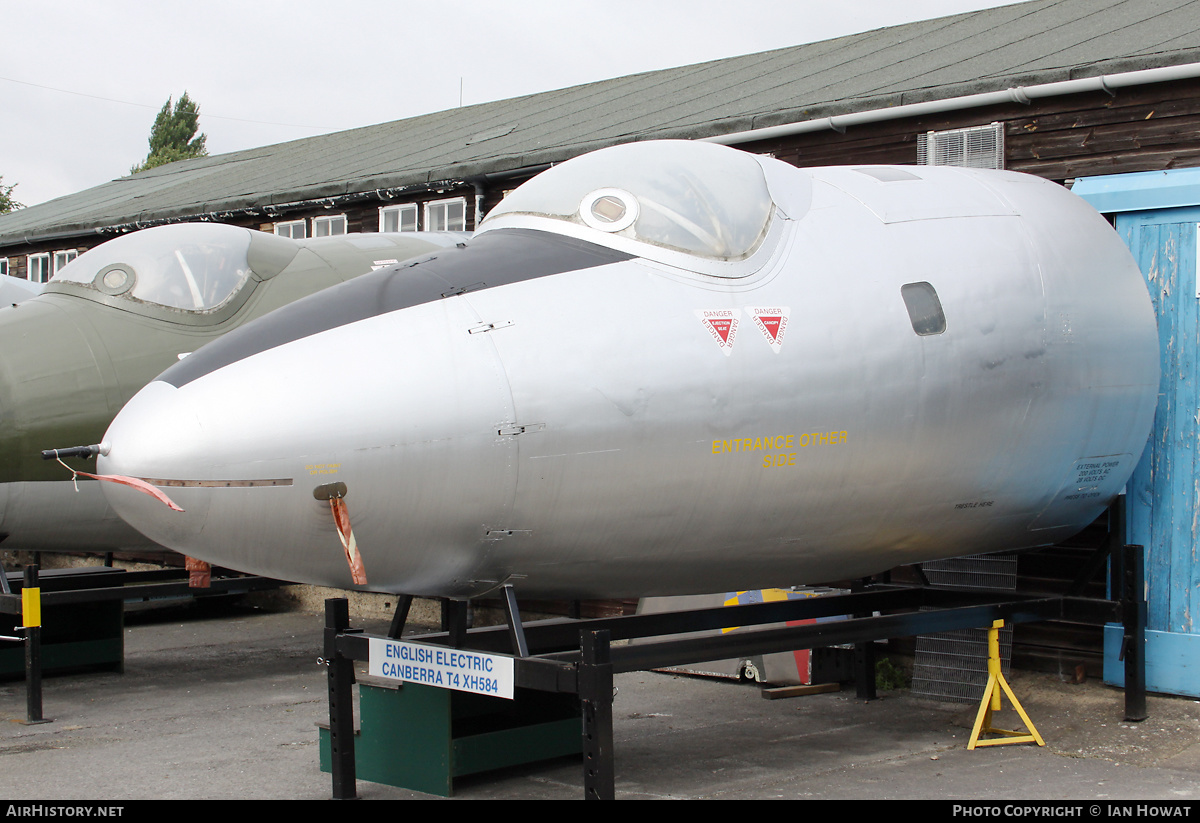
(772, 321)
(722, 324)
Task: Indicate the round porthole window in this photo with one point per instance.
(115, 279)
(609, 209)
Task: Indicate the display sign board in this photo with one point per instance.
(466, 671)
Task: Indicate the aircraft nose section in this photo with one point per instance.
(161, 430)
(385, 386)
(157, 439)
(204, 447)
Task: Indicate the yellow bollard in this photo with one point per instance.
(31, 607)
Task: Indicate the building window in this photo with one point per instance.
(38, 268)
(295, 229)
(978, 147)
(398, 218)
(446, 215)
(3, 266)
(328, 226)
(62, 258)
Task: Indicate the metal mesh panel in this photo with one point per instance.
(980, 571)
(978, 147)
(952, 666)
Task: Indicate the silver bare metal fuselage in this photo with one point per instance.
(591, 433)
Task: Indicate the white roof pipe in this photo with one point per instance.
(1017, 94)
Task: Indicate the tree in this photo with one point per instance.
(7, 203)
(173, 136)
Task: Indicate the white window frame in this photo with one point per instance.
(37, 267)
(435, 222)
(63, 257)
(3, 266)
(979, 147)
(401, 212)
(288, 229)
(327, 224)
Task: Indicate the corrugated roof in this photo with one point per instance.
(991, 50)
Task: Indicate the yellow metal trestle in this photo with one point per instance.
(991, 702)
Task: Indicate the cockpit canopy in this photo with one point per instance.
(195, 267)
(697, 198)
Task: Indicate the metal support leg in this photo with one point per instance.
(596, 693)
(864, 657)
(341, 702)
(1134, 644)
(516, 632)
(454, 618)
(403, 606)
(864, 670)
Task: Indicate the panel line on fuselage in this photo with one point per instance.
(217, 484)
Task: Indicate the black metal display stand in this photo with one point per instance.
(578, 656)
(80, 612)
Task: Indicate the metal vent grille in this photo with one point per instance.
(978, 147)
(952, 666)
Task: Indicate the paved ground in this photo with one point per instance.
(226, 707)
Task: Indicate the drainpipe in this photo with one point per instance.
(481, 182)
(479, 192)
(1019, 94)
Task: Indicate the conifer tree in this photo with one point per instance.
(173, 136)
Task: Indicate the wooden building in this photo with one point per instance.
(1058, 88)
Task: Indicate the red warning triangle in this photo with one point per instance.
(771, 326)
(721, 325)
(772, 321)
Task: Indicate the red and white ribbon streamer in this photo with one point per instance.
(341, 517)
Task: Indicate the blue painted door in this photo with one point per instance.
(1163, 496)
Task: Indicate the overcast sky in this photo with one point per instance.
(81, 80)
